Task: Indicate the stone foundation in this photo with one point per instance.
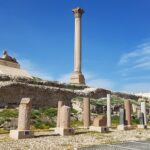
(122, 127)
(77, 78)
(16, 134)
(99, 129)
(140, 126)
(62, 131)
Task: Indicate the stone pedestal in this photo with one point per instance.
(108, 110)
(100, 120)
(18, 134)
(127, 107)
(64, 128)
(63, 131)
(142, 123)
(86, 112)
(121, 125)
(77, 76)
(23, 130)
(60, 104)
(143, 110)
(100, 124)
(99, 129)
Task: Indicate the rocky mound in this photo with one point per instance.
(44, 93)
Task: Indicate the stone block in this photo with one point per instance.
(16, 134)
(77, 78)
(122, 127)
(99, 129)
(63, 132)
(141, 126)
(100, 120)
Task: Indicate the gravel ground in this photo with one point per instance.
(49, 141)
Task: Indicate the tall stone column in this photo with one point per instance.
(60, 104)
(77, 76)
(86, 112)
(143, 110)
(127, 107)
(108, 110)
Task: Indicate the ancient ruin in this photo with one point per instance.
(64, 127)
(127, 107)
(86, 112)
(100, 124)
(108, 110)
(77, 76)
(9, 66)
(23, 130)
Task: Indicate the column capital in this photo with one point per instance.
(78, 12)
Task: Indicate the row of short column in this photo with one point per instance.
(125, 116)
(101, 123)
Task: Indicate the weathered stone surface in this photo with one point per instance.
(122, 116)
(43, 93)
(60, 104)
(108, 110)
(23, 130)
(143, 110)
(141, 118)
(77, 77)
(126, 96)
(24, 114)
(100, 120)
(127, 107)
(64, 127)
(86, 112)
(99, 129)
(65, 117)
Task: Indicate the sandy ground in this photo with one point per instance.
(47, 140)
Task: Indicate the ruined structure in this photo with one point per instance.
(9, 66)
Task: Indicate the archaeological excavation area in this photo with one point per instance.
(51, 115)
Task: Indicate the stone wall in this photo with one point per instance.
(43, 93)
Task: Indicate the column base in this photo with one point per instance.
(99, 129)
(23, 134)
(77, 78)
(141, 126)
(122, 127)
(62, 131)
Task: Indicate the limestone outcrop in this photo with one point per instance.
(43, 93)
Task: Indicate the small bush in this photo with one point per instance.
(115, 120)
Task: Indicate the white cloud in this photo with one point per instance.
(34, 70)
(137, 87)
(138, 58)
(65, 78)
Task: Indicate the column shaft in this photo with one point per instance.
(127, 107)
(108, 110)
(60, 104)
(86, 112)
(143, 110)
(77, 46)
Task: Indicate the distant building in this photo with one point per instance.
(9, 66)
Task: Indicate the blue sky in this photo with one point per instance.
(116, 40)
